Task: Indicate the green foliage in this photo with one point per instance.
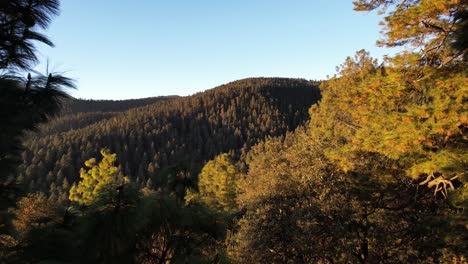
(117, 225)
(177, 233)
(24, 103)
(108, 226)
(46, 244)
(98, 175)
(217, 187)
(39, 232)
(147, 227)
(76, 106)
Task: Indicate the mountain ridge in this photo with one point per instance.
(166, 143)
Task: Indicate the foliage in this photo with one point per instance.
(355, 185)
(117, 225)
(420, 122)
(420, 117)
(168, 141)
(179, 234)
(146, 226)
(19, 24)
(75, 106)
(301, 208)
(378, 175)
(34, 210)
(433, 26)
(217, 184)
(98, 175)
(24, 102)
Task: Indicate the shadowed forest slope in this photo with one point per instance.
(90, 105)
(79, 113)
(166, 143)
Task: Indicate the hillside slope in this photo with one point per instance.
(165, 144)
(90, 105)
(79, 113)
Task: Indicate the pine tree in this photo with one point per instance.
(24, 101)
(414, 107)
(65, 185)
(431, 25)
(95, 177)
(217, 184)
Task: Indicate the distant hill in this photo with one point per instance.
(74, 106)
(164, 143)
(79, 113)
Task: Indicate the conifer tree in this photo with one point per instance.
(409, 111)
(217, 184)
(95, 177)
(436, 27)
(410, 108)
(24, 101)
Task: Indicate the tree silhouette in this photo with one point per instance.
(24, 102)
(20, 22)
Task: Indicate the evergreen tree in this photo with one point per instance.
(95, 177)
(414, 108)
(378, 134)
(217, 186)
(431, 25)
(175, 133)
(24, 102)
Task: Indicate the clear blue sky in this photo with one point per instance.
(139, 48)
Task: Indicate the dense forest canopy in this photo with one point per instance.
(75, 106)
(168, 141)
(78, 113)
(369, 166)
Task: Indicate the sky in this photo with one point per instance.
(122, 49)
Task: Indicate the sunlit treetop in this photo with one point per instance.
(96, 177)
(434, 27)
(410, 109)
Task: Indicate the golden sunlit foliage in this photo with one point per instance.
(34, 210)
(412, 107)
(217, 184)
(428, 26)
(301, 208)
(419, 122)
(377, 175)
(96, 177)
(384, 139)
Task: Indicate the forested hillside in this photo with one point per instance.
(164, 144)
(73, 106)
(368, 166)
(78, 113)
